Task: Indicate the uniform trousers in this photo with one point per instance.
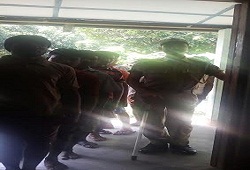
(169, 118)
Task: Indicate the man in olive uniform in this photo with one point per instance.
(166, 84)
(35, 96)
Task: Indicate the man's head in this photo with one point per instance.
(107, 58)
(27, 45)
(175, 47)
(66, 56)
(88, 59)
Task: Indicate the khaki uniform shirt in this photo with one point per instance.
(172, 75)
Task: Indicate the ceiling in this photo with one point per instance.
(159, 14)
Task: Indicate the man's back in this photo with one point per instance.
(33, 84)
(31, 92)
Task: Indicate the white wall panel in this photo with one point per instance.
(23, 11)
(29, 2)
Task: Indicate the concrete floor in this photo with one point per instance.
(115, 154)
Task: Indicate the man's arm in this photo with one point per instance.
(115, 90)
(89, 90)
(207, 88)
(146, 94)
(220, 75)
(133, 80)
(215, 71)
(70, 97)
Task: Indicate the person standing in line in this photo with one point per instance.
(109, 91)
(107, 64)
(68, 136)
(168, 83)
(36, 96)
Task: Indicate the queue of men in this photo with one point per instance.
(48, 105)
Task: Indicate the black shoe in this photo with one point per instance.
(188, 150)
(69, 155)
(151, 148)
(12, 168)
(54, 165)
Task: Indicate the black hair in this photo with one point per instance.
(106, 57)
(107, 54)
(87, 54)
(66, 53)
(25, 39)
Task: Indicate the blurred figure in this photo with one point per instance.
(36, 96)
(107, 63)
(109, 91)
(65, 139)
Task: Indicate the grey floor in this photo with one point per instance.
(115, 154)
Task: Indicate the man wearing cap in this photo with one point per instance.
(165, 85)
(35, 97)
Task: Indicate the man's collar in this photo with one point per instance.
(28, 60)
(174, 57)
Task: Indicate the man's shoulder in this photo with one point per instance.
(99, 74)
(148, 64)
(196, 63)
(5, 58)
(148, 61)
(85, 73)
(199, 60)
(59, 66)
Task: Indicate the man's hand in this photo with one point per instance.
(130, 99)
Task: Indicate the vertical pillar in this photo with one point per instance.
(232, 140)
(222, 51)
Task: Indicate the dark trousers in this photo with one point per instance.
(63, 137)
(70, 134)
(27, 138)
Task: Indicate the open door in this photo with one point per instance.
(232, 140)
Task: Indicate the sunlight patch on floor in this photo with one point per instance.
(202, 114)
(118, 124)
(1, 166)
